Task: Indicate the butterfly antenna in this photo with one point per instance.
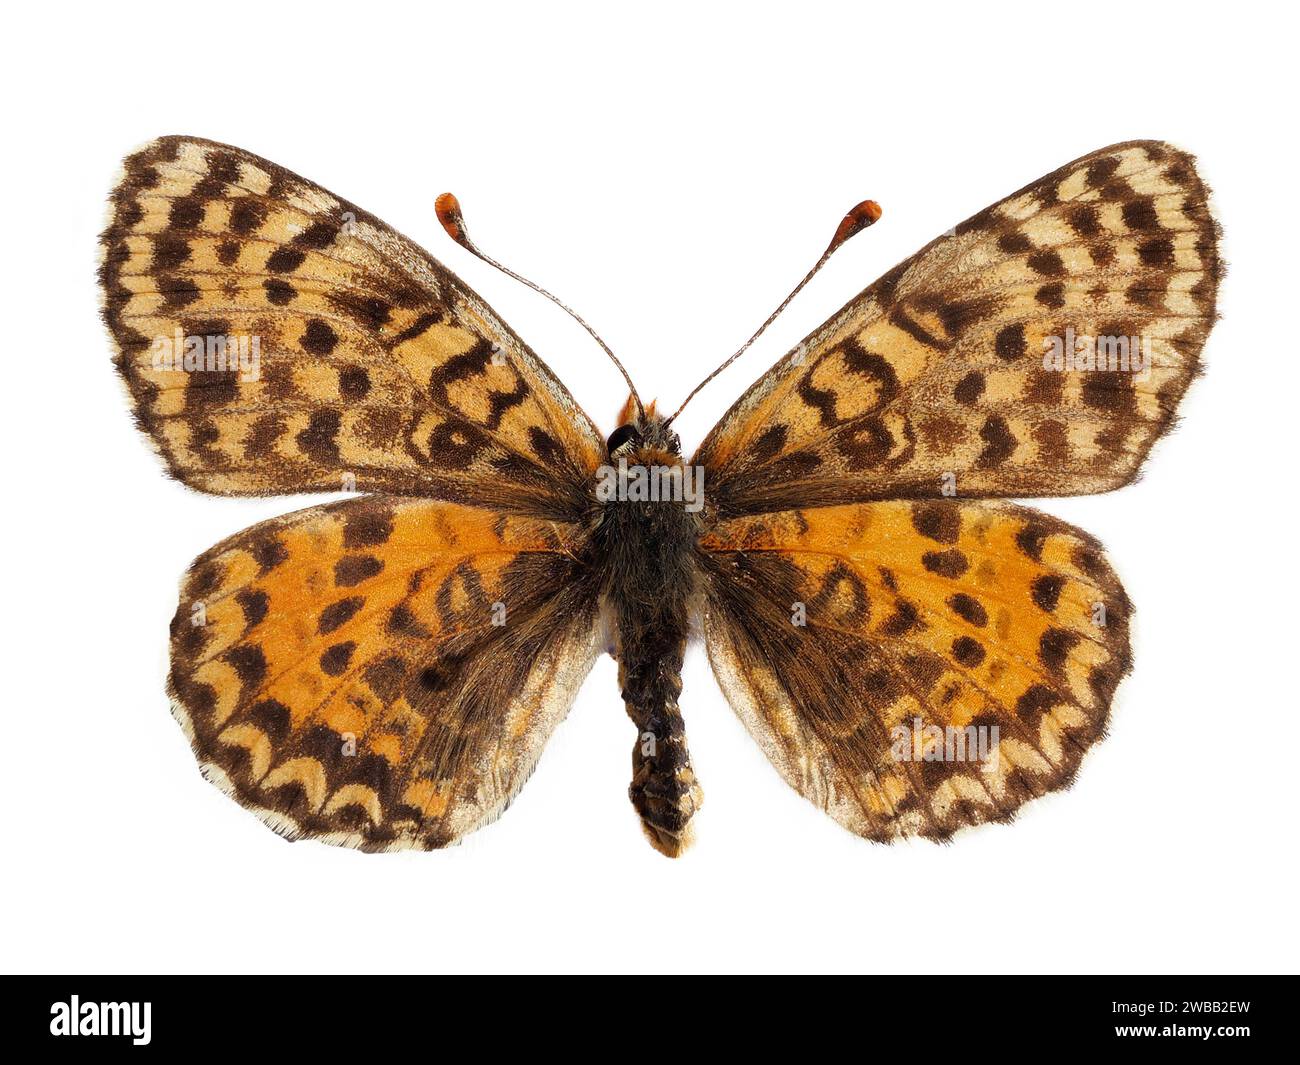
(449, 215)
(864, 214)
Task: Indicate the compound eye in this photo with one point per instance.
(621, 436)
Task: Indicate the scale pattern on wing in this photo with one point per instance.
(381, 673)
(834, 628)
(377, 368)
(933, 379)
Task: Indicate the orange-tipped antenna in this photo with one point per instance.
(448, 211)
(864, 214)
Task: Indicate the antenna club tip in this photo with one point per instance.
(447, 208)
(866, 213)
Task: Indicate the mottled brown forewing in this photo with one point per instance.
(376, 368)
(932, 381)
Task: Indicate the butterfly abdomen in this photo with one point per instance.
(664, 790)
(647, 549)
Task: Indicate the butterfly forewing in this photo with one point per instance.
(962, 370)
(276, 338)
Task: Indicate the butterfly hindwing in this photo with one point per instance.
(381, 673)
(915, 668)
(276, 338)
(934, 379)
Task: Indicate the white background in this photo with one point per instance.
(669, 174)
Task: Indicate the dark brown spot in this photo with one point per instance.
(937, 521)
(543, 445)
(385, 678)
(210, 389)
(801, 463)
(1053, 442)
(903, 620)
(951, 563)
(1100, 171)
(254, 605)
(1015, 243)
(1046, 591)
(1052, 295)
(319, 338)
(1147, 292)
(769, 444)
(317, 235)
(968, 652)
(335, 659)
(969, 609)
(353, 569)
(1102, 254)
(923, 668)
(1104, 679)
(1157, 252)
(269, 553)
(1044, 387)
(1084, 220)
(318, 440)
(1010, 343)
(169, 251)
(278, 291)
(186, 213)
(999, 442)
(1047, 263)
(370, 311)
(272, 717)
(249, 662)
(263, 435)
(246, 216)
(368, 529)
(1035, 702)
(285, 260)
(1109, 390)
(401, 622)
(1030, 540)
(178, 291)
(433, 678)
(969, 388)
(337, 614)
(1055, 646)
(1140, 214)
(354, 383)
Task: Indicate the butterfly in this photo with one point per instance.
(913, 653)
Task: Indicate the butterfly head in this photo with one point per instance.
(643, 437)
